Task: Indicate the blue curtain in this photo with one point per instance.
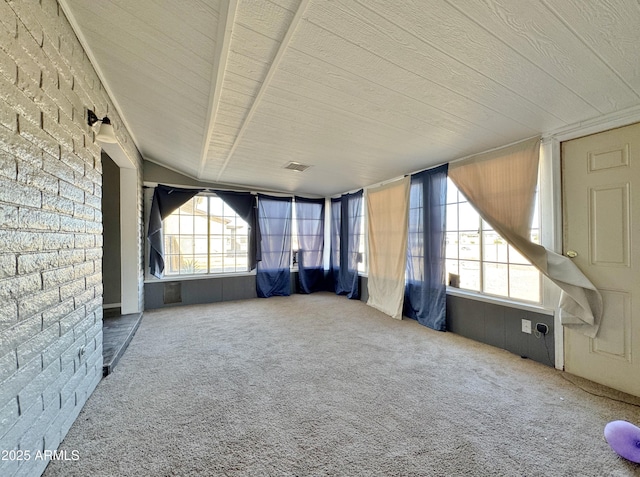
(166, 200)
(310, 222)
(334, 258)
(274, 222)
(345, 243)
(425, 291)
(244, 204)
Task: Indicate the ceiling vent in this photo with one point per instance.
(296, 166)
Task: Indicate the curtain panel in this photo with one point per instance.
(310, 223)
(501, 186)
(334, 257)
(387, 214)
(425, 294)
(273, 272)
(346, 223)
(166, 200)
(244, 204)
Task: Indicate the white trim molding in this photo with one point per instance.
(595, 125)
(551, 148)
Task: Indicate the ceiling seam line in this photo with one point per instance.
(582, 40)
(223, 45)
(400, 93)
(444, 86)
(265, 83)
(361, 116)
(533, 103)
(428, 43)
(106, 41)
(424, 78)
(524, 56)
(152, 45)
(145, 20)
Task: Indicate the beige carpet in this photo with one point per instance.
(320, 385)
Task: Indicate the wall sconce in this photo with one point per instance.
(105, 133)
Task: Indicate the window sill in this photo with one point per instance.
(471, 295)
(179, 278)
(209, 276)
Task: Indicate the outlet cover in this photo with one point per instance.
(526, 326)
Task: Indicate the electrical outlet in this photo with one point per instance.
(526, 326)
(542, 328)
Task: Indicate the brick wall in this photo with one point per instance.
(50, 229)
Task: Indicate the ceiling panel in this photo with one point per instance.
(463, 40)
(156, 60)
(363, 91)
(541, 38)
(609, 29)
(450, 110)
(454, 82)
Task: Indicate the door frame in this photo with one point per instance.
(130, 240)
(551, 175)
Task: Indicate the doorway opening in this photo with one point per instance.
(120, 321)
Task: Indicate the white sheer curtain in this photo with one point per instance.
(501, 186)
(388, 219)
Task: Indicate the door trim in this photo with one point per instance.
(130, 239)
(600, 124)
(551, 173)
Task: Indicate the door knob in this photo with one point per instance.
(572, 253)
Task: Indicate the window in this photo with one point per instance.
(295, 243)
(482, 259)
(356, 212)
(205, 236)
(362, 247)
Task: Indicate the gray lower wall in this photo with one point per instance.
(489, 323)
(205, 290)
(193, 292)
(364, 289)
(501, 326)
(495, 325)
(155, 173)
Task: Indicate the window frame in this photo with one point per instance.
(484, 228)
(208, 274)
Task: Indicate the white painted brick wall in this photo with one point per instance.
(50, 228)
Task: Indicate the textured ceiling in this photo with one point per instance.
(360, 90)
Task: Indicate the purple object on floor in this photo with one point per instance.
(624, 438)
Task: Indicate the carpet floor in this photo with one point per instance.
(318, 385)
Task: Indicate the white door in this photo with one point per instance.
(601, 211)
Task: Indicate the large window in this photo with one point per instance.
(362, 247)
(205, 236)
(482, 259)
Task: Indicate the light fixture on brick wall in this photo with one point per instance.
(105, 133)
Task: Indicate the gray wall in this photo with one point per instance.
(161, 175)
(192, 292)
(489, 323)
(495, 325)
(206, 290)
(501, 326)
(111, 270)
(50, 229)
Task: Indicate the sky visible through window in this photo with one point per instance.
(205, 236)
(482, 259)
